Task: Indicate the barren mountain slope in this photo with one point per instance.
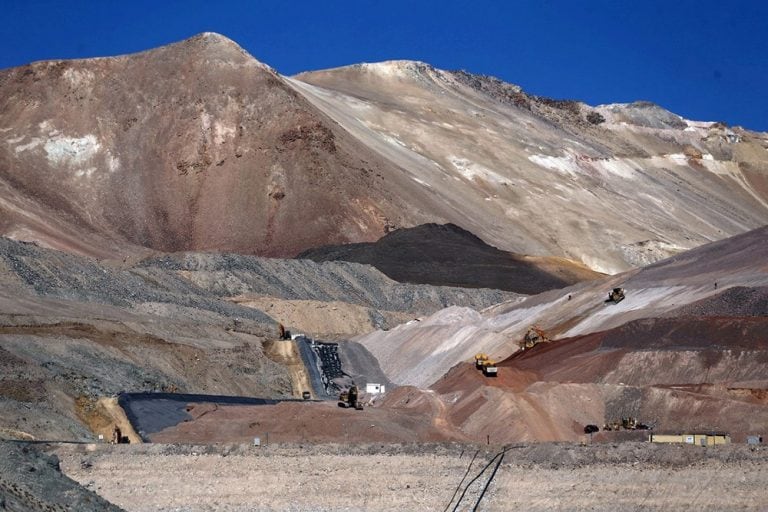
(534, 176)
(446, 255)
(74, 331)
(192, 146)
(684, 351)
(198, 146)
(455, 334)
(674, 374)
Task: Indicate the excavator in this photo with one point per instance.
(349, 399)
(534, 336)
(615, 296)
(486, 365)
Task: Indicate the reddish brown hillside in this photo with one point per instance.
(690, 373)
(195, 145)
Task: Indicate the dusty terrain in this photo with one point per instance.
(198, 146)
(31, 481)
(533, 176)
(446, 255)
(630, 476)
(75, 331)
(454, 335)
(206, 149)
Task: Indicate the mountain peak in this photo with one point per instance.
(398, 68)
(216, 47)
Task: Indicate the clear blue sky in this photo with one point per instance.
(705, 60)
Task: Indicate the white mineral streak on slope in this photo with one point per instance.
(383, 143)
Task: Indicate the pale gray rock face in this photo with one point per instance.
(198, 146)
(613, 186)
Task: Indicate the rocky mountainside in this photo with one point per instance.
(696, 282)
(689, 336)
(446, 255)
(193, 146)
(198, 146)
(75, 331)
(32, 481)
(613, 186)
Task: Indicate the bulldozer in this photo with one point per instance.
(486, 365)
(534, 336)
(615, 296)
(626, 423)
(349, 399)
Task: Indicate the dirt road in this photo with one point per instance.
(629, 476)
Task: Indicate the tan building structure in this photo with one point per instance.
(698, 439)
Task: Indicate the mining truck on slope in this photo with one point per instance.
(615, 296)
(486, 365)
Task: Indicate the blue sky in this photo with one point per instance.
(705, 60)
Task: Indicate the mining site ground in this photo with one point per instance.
(446, 476)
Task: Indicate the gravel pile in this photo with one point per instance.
(49, 273)
(447, 255)
(32, 481)
(736, 301)
(227, 275)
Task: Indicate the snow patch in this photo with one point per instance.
(85, 173)
(113, 163)
(599, 265)
(670, 159)
(221, 132)
(565, 165)
(205, 121)
(78, 77)
(420, 182)
(719, 167)
(396, 68)
(616, 167)
(452, 315)
(32, 144)
(46, 127)
(71, 150)
(393, 140)
(471, 170)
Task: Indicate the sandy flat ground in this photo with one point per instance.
(633, 476)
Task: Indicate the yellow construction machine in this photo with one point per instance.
(615, 296)
(349, 399)
(533, 337)
(486, 365)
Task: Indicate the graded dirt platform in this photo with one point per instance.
(534, 477)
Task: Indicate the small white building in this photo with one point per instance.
(374, 389)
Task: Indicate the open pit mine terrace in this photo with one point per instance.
(160, 416)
